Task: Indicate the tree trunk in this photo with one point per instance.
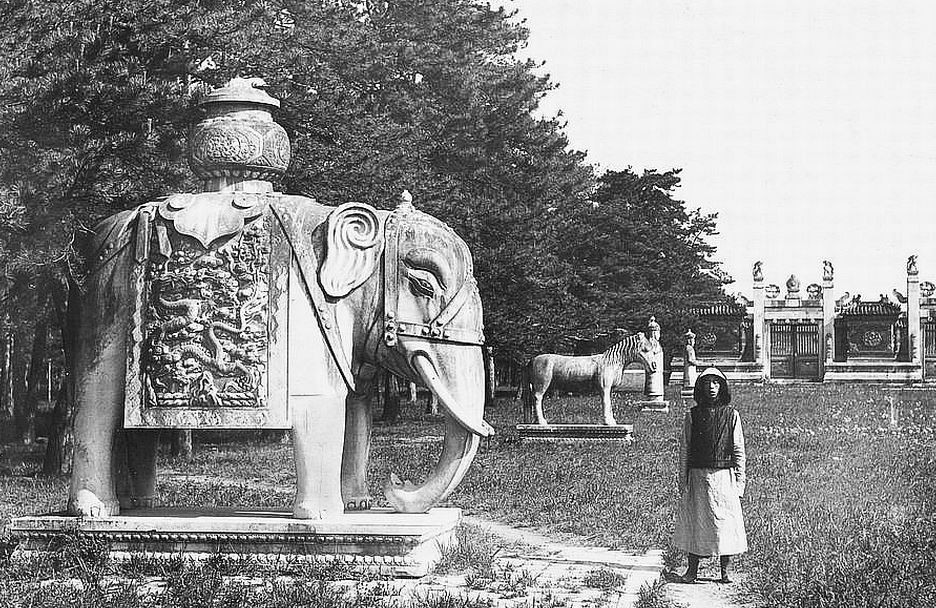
(182, 445)
(490, 379)
(55, 461)
(37, 367)
(58, 453)
(432, 405)
(6, 382)
(391, 408)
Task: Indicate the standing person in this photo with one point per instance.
(711, 478)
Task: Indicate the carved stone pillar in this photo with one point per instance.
(913, 312)
(828, 314)
(759, 318)
(653, 388)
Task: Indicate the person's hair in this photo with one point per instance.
(701, 394)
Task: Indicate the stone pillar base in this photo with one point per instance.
(379, 541)
(654, 405)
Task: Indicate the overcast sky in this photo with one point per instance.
(808, 125)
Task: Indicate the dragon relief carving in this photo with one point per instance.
(206, 323)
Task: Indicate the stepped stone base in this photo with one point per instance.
(576, 432)
(736, 371)
(873, 371)
(398, 544)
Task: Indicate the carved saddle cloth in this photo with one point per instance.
(208, 346)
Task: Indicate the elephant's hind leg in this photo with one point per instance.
(99, 400)
(356, 453)
(136, 486)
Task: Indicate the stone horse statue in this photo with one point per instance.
(606, 370)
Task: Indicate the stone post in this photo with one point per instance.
(759, 348)
(828, 316)
(653, 387)
(913, 313)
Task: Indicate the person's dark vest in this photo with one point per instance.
(711, 445)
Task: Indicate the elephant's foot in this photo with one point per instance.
(359, 503)
(314, 510)
(86, 504)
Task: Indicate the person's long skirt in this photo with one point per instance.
(709, 521)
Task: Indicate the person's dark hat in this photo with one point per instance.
(700, 394)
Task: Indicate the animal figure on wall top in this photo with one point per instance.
(604, 371)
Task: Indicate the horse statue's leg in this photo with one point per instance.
(539, 375)
(538, 402)
(607, 382)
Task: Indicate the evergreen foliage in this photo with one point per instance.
(97, 96)
(634, 250)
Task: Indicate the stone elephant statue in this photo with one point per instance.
(356, 289)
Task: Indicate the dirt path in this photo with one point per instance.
(640, 569)
(560, 565)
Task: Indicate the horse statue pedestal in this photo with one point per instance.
(375, 541)
(576, 432)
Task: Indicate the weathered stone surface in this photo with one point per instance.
(391, 543)
(559, 432)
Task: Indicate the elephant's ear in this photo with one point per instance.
(353, 242)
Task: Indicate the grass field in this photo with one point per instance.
(840, 506)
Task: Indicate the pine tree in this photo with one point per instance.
(638, 251)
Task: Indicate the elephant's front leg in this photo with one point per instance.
(318, 437)
(358, 419)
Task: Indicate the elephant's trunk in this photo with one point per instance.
(463, 429)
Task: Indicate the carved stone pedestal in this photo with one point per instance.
(576, 432)
(396, 544)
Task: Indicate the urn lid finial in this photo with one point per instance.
(242, 90)
(237, 145)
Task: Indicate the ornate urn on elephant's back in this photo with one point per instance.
(242, 307)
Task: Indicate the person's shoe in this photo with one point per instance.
(673, 577)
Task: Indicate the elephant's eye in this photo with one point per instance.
(420, 283)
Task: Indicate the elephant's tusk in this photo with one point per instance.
(427, 371)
